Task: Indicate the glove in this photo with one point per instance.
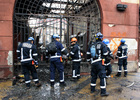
(69, 58)
(64, 57)
(36, 63)
(116, 57)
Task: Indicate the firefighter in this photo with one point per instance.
(56, 60)
(122, 58)
(97, 63)
(27, 54)
(108, 66)
(75, 54)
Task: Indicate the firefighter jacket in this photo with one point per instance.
(75, 53)
(27, 52)
(101, 51)
(60, 50)
(122, 51)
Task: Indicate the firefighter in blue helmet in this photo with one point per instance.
(27, 54)
(97, 61)
(75, 54)
(108, 66)
(56, 60)
(122, 58)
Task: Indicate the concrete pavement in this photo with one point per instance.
(120, 88)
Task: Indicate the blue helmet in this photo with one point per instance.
(56, 36)
(122, 41)
(106, 41)
(30, 39)
(99, 35)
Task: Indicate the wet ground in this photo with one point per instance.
(122, 88)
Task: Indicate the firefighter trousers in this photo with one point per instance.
(27, 71)
(98, 70)
(75, 69)
(56, 64)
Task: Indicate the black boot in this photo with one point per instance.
(78, 77)
(104, 93)
(28, 85)
(92, 89)
(52, 84)
(38, 84)
(73, 79)
(62, 84)
(118, 74)
(125, 74)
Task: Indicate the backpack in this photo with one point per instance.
(93, 51)
(52, 48)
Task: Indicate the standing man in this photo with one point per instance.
(122, 58)
(75, 54)
(55, 51)
(108, 66)
(96, 54)
(27, 54)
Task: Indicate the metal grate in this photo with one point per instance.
(43, 18)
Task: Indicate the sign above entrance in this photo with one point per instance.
(131, 1)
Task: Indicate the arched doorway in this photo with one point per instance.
(43, 18)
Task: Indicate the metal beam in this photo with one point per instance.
(68, 3)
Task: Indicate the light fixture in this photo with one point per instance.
(111, 25)
(121, 7)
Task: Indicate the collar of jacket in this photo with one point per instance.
(29, 41)
(98, 40)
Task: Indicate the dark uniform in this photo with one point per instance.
(56, 62)
(97, 68)
(76, 59)
(122, 58)
(108, 66)
(27, 53)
